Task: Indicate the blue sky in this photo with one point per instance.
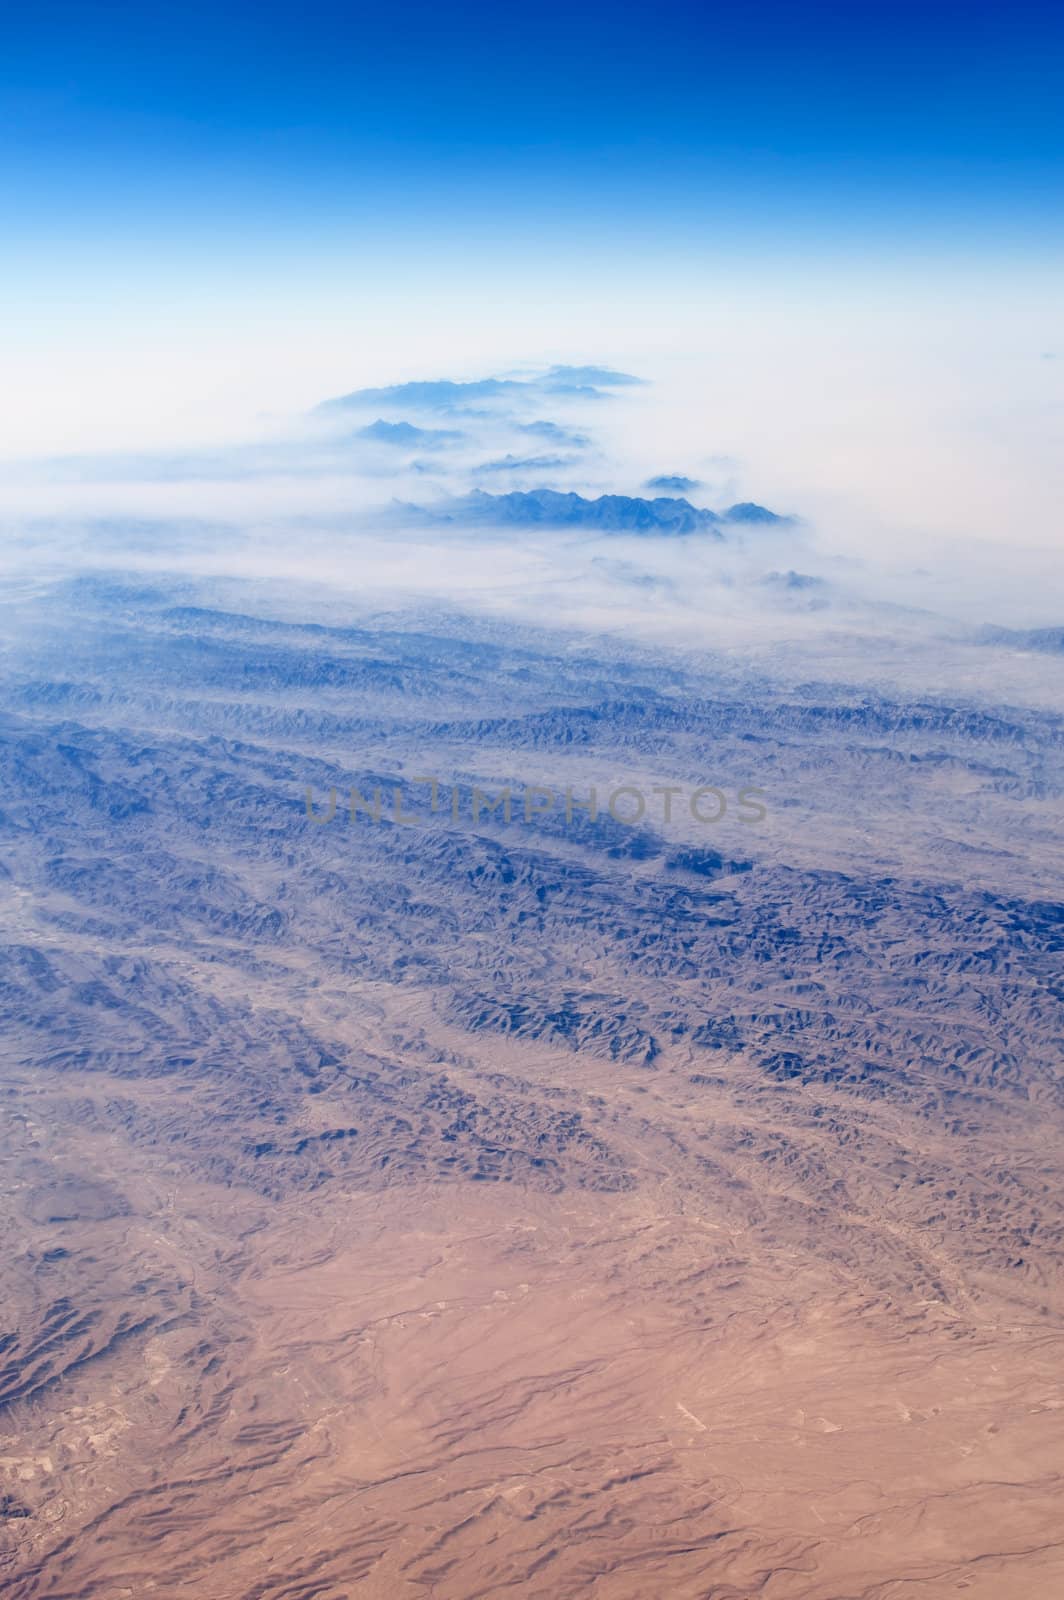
(808, 121)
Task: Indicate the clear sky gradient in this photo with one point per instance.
(124, 119)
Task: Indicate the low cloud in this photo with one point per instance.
(375, 499)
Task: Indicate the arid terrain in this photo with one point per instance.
(459, 1207)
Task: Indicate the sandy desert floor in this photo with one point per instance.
(457, 1212)
(475, 1389)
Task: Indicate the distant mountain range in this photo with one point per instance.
(619, 513)
(674, 481)
(444, 394)
(433, 395)
(405, 433)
